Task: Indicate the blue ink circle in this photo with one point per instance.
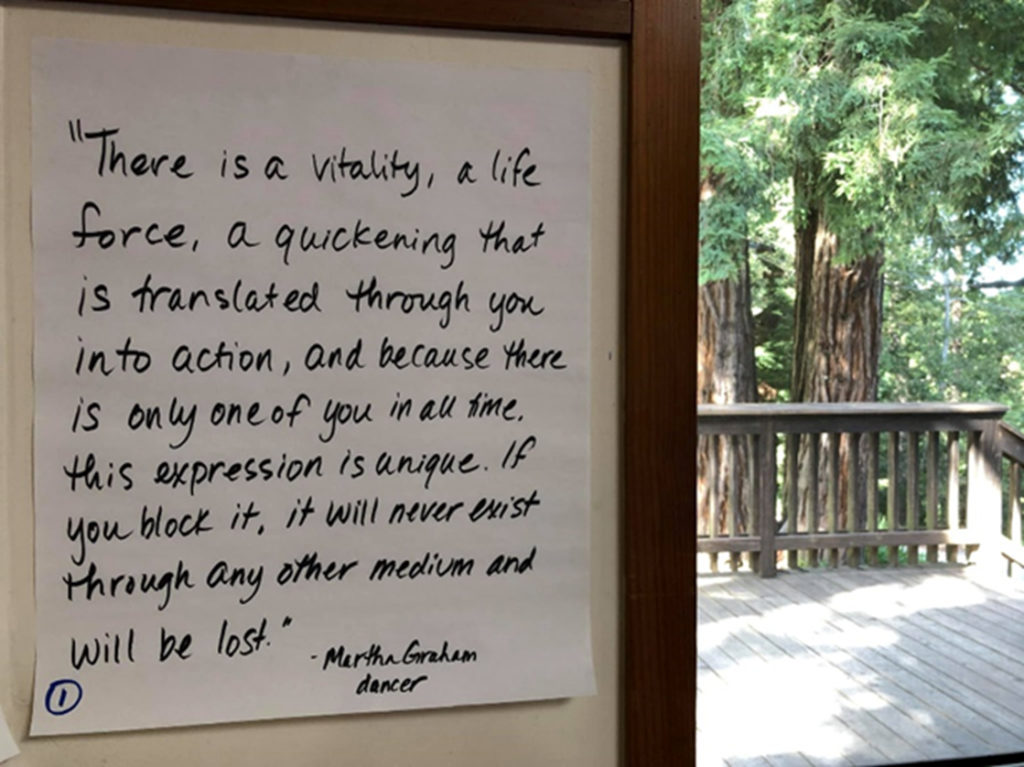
(63, 696)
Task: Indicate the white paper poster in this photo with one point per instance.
(8, 748)
(312, 385)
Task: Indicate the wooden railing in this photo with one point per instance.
(862, 484)
(1011, 447)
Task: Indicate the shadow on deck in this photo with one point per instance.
(859, 667)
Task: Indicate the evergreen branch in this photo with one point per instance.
(987, 71)
(996, 284)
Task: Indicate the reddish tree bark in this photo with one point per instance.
(836, 347)
(725, 375)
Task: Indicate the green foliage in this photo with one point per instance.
(772, 298)
(736, 192)
(944, 342)
(879, 124)
(734, 201)
(903, 120)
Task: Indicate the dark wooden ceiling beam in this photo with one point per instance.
(581, 18)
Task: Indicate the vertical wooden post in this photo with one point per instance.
(954, 514)
(753, 499)
(975, 490)
(833, 493)
(892, 507)
(814, 508)
(913, 500)
(871, 484)
(993, 458)
(1015, 521)
(792, 494)
(852, 462)
(731, 452)
(985, 494)
(714, 506)
(660, 418)
(766, 468)
(932, 491)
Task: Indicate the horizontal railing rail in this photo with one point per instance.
(864, 483)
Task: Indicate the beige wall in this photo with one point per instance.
(584, 731)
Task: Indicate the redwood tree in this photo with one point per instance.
(732, 202)
(888, 136)
(886, 122)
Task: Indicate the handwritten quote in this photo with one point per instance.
(312, 385)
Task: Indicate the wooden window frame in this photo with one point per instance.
(660, 273)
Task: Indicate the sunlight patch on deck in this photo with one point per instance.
(891, 600)
(856, 667)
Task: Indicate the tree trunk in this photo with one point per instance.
(838, 321)
(725, 375)
(835, 355)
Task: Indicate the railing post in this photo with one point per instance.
(932, 492)
(793, 494)
(766, 469)
(1015, 531)
(985, 493)
(893, 495)
(913, 499)
(732, 450)
(853, 520)
(753, 502)
(714, 513)
(1011, 450)
(832, 496)
(814, 509)
(872, 494)
(954, 513)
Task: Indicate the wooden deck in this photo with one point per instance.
(858, 667)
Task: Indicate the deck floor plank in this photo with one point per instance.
(982, 692)
(788, 760)
(968, 646)
(912, 661)
(991, 620)
(894, 736)
(889, 746)
(990, 713)
(978, 634)
(749, 761)
(893, 679)
(881, 694)
(927, 706)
